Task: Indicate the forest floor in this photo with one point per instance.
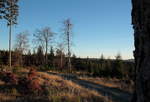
(113, 90)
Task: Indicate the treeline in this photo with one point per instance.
(37, 58)
(57, 61)
(106, 67)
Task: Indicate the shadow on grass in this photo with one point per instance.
(9, 95)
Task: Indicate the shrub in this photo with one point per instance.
(2, 75)
(31, 74)
(14, 91)
(45, 68)
(22, 86)
(15, 69)
(34, 87)
(46, 89)
(30, 84)
(27, 86)
(9, 77)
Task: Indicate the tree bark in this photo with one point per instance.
(141, 26)
(10, 31)
(68, 43)
(61, 60)
(46, 52)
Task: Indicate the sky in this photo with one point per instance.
(99, 26)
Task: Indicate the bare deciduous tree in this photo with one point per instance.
(44, 37)
(61, 49)
(22, 43)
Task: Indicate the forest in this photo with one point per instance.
(91, 66)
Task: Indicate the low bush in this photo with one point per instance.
(30, 84)
(46, 89)
(32, 74)
(16, 69)
(46, 68)
(9, 77)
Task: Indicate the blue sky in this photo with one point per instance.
(100, 26)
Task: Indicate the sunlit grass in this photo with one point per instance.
(57, 90)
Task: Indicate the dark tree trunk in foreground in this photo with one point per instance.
(141, 25)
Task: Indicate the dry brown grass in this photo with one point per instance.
(61, 84)
(59, 90)
(111, 82)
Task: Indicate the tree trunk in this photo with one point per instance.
(46, 52)
(69, 53)
(10, 31)
(141, 25)
(61, 60)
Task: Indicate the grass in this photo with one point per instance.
(63, 88)
(112, 82)
(56, 89)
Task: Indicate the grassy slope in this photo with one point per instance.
(59, 90)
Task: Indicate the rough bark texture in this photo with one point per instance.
(141, 25)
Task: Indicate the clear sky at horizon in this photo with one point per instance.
(100, 26)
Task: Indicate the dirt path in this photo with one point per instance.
(115, 94)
